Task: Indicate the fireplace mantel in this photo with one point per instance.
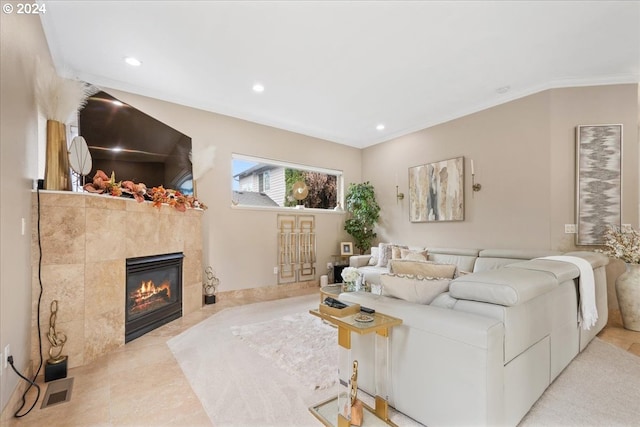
(86, 239)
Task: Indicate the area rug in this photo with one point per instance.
(300, 344)
(240, 383)
(238, 386)
(600, 387)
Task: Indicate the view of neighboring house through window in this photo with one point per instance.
(262, 182)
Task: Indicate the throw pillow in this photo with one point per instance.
(384, 254)
(374, 256)
(413, 254)
(423, 268)
(396, 251)
(412, 288)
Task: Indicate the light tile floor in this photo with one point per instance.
(141, 383)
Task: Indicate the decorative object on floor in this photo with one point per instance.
(599, 185)
(58, 391)
(58, 98)
(360, 202)
(474, 186)
(625, 246)
(102, 184)
(296, 248)
(210, 285)
(346, 248)
(436, 191)
(56, 366)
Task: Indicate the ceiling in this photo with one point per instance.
(335, 70)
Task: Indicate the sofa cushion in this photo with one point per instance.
(414, 255)
(560, 270)
(422, 268)
(596, 259)
(412, 288)
(374, 255)
(508, 286)
(465, 259)
(493, 259)
(384, 254)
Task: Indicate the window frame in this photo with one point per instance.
(285, 164)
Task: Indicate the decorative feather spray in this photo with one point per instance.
(203, 162)
(57, 97)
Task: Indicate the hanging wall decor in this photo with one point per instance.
(598, 181)
(436, 191)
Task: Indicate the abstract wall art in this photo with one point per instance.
(436, 191)
(598, 181)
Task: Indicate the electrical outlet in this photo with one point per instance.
(7, 353)
(275, 270)
(570, 228)
(24, 225)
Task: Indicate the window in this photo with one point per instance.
(264, 182)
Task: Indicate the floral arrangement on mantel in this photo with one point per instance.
(623, 245)
(102, 184)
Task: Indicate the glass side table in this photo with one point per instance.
(380, 325)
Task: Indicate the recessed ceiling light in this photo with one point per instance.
(134, 62)
(503, 89)
(259, 88)
(380, 127)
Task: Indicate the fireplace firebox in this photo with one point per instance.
(153, 293)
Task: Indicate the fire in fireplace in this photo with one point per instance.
(153, 293)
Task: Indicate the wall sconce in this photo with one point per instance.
(399, 196)
(475, 187)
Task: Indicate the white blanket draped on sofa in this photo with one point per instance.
(588, 313)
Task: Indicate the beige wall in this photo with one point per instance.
(524, 154)
(22, 39)
(240, 243)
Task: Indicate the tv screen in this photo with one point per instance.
(134, 145)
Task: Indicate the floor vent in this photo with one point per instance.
(58, 391)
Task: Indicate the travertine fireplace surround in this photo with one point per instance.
(86, 239)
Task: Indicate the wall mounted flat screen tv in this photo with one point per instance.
(134, 145)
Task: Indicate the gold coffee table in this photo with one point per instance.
(381, 324)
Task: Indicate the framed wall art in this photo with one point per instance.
(436, 191)
(598, 181)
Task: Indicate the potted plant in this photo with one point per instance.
(625, 246)
(360, 202)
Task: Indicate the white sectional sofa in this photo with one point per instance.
(485, 351)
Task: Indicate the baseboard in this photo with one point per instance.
(266, 291)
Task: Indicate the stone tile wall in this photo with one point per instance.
(85, 240)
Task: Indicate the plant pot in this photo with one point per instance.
(56, 170)
(628, 291)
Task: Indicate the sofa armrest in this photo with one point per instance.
(359, 260)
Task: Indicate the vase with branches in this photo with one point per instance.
(360, 202)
